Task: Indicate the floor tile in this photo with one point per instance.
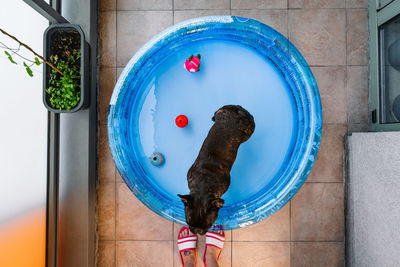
(332, 89)
(357, 37)
(107, 5)
(135, 28)
(357, 3)
(224, 259)
(317, 213)
(118, 178)
(135, 221)
(274, 228)
(107, 36)
(144, 253)
(119, 71)
(276, 18)
(202, 4)
(182, 15)
(106, 254)
(201, 238)
(329, 164)
(322, 39)
(317, 254)
(357, 94)
(144, 4)
(316, 4)
(357, 127)
(107, 83)
(258, 4)
(260, 254)
(106, 211)
(106, 167)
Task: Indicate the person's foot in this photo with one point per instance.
(213, 251)
(188, 256)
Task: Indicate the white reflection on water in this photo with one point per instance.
(146, 122)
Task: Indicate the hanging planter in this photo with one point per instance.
(66, 86)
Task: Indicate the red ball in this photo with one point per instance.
(181, 121)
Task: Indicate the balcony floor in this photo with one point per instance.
(309, 230)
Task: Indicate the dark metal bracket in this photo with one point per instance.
(46, 11)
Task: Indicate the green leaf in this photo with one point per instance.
(25, 64)
(29, 71)
(12, 61)
(10, 57)
(37, 62)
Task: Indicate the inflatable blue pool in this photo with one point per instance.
(243, 62)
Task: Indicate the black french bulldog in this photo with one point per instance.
(209, 177)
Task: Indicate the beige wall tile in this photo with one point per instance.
(317, 213)
(106, 167)
(332, 89)
(319, 34)
(201, 238)
(357, 3)
(144, 253)
(135, 221)
(276, 18)
(182, 15)
(357, 37)
(259, 254)
(106, 254)
(257, 4)
(329, 164)
(357, 94)
(144, 4)
(274, 228)
(106, 211)
(107, 36)
(107, 84)
(135, 28)
(316, 3)
(317, 254)
(202, 4)
(107, 5)
(224, 259)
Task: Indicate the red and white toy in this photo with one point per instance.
(192, 64)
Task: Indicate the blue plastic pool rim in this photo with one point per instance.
(307, 145)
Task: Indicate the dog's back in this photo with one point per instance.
(233, 126)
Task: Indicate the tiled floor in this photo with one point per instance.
(308, 231)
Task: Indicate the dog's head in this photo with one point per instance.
(236, 115)
(201, 213)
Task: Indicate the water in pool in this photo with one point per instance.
(229, 74)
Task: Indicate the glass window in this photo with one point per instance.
(389, 57)
(23, 141)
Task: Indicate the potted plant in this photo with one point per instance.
(66, 49)
(66, 77)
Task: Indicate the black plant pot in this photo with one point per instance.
(84, 66)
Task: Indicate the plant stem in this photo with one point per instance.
(30, 49)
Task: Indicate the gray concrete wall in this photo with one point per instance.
(373, 200)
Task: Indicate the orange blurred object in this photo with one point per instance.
(23, 240)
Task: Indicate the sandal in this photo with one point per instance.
(215, 240)
(186, 243)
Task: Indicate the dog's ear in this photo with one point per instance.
(186, 199)
(217, 203)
